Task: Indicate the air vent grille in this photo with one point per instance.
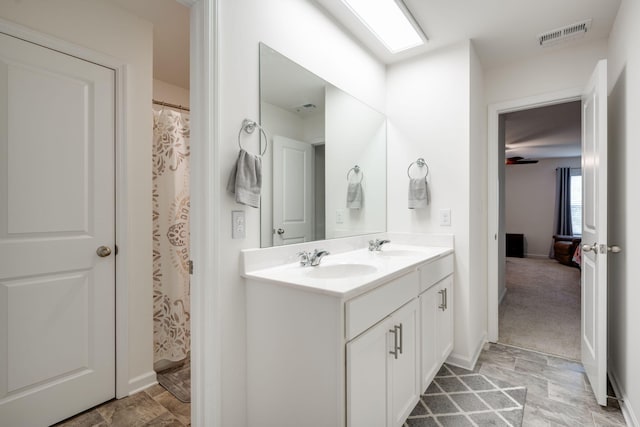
(577, 29)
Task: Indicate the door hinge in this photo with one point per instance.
(190, 266)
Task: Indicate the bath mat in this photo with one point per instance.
(458, 397)
(177, 381)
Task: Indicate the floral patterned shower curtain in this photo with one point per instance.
(171, 309)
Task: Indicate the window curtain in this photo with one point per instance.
(170, 198)
(562, 219)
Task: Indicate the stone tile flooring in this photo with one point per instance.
(152, 407)
(558, 392)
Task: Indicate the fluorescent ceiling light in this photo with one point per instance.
(388, 21)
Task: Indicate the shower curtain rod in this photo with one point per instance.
(168, 104)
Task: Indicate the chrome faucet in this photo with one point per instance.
(376, 245)
(312, 259)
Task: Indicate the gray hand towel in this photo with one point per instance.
(354, 195)
(418, 193)
(245, 180)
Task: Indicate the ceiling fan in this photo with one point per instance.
(516, 160)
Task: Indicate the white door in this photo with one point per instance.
(404, 366)
(57, 336)
(594, 232)
(292, 191)
(368, 377)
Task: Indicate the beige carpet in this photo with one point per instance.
(541, 310)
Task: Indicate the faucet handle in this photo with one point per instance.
(305, 258)
(372, 245)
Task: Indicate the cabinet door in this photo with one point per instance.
(430, 356)
(404, 366)
(444, 329)
(368, 378)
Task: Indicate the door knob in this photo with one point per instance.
(588, 248)
(614, 249)
(280, 231)
(103, 251)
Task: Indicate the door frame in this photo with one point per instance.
(495, 191)
(206, 196)
(123, 387)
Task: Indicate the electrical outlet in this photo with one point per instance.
(445, 217)
(339, 216)
(238, 226)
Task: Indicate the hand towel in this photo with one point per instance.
(418, 193)
(354, 195)
(245, 180)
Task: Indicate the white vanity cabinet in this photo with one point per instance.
(318, 357)
(436, 316)
(382, 371)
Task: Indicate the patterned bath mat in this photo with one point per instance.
(177, 381)
(459, 398)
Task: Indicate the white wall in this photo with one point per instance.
(105, 28)
(530, 194)
(167, 92)
(305, 34)
(477, 204)
(430, 116)
(551, 71)
(624, 204)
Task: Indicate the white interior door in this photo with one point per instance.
(57, 333)
(594, 232)
(292, 191)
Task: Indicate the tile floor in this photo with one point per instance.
(558, 394)
(152, 407)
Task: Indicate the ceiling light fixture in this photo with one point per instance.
(390, 21)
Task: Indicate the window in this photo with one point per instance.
(576, 201)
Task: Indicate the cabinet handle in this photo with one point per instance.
(443, 304)
(394, 331)
(446, 299)
(401, 334)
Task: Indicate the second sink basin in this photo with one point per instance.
(340, 271)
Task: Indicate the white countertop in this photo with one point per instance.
(371, 269)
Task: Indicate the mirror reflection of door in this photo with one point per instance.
(293, 191)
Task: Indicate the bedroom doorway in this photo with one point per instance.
(539, 290)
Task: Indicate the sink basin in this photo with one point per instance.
(400, 253)
(340, 271)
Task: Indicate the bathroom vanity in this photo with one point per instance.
(352, 342)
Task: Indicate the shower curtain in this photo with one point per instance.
(171, 310)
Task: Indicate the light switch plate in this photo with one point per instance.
(238, 225)
(339, 216)
(445, 217)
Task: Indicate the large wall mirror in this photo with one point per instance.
(324, 169)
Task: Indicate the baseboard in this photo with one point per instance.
(142, 382)
(627, 411)
(468, 362)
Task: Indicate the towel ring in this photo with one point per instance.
(355, 169)
(421, 164)
(249, 126)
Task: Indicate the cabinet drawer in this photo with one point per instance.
(364, 311)
(432, 273)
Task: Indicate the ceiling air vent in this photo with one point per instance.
(568, 32)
